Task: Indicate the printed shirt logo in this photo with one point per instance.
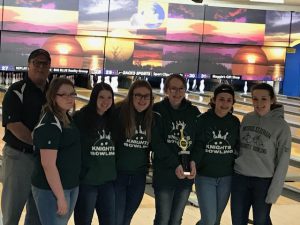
(218, 144)
(254, 138)
(174, 135)
(139, 139)
(103, 146)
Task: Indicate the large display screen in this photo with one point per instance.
(56, 16)
(159, 20)
(295, 29)
(93, 17)
(249, 62)
(246, 26)
(1, 8)
(152, 58)
(66, 51)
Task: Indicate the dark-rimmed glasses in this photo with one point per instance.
(139, 96)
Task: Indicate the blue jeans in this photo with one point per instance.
(129, 194)
(16, 193)
(213, 195)
(170, 203)
(47, 205)
(246, 192)
(99, 197)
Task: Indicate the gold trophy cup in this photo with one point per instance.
(184, 155)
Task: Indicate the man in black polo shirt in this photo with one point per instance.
(21, 110)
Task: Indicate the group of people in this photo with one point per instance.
(58, 160)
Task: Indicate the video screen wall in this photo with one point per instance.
(149, 37)
(295, 29)
(159, 20)
(248, 62)
(150, 58)
(246, 26)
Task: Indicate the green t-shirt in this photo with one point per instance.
(50, 134)
(98, 150)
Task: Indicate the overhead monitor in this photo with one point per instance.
(249, 62)
(150, 58)
(295, 29)
(158, 20)
(66, 51)
(56, 16)
(246, 26)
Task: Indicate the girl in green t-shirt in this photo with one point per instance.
(55, 178)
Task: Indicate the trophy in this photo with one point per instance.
(184, 155)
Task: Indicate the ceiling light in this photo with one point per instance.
(269, 1)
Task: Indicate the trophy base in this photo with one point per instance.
(187, 173)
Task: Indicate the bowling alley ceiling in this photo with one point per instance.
(288, 5)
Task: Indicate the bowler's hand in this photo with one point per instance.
(179, 172)
(193, 170)
(62, 206)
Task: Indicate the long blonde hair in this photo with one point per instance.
(51, 105)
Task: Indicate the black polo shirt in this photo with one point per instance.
(22, 102)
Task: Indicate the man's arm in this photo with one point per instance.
(20, 131)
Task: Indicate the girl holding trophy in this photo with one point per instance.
(173, 138)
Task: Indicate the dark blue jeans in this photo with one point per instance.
(129, 194)
(99, 197)
(170, 203)
(246, 192)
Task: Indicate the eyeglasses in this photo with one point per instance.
(40, 63)
(65, 96)
(174, 90)
(139, 96)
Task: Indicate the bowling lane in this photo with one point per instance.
(292, 119)
(287, 108)
(295, 150)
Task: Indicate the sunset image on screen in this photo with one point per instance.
(49, 20)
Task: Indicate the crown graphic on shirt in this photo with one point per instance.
(140, 131)
(104, 135)
(219, 136)
(178, 126)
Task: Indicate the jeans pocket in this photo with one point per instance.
(11, 153)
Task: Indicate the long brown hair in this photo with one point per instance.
(128, 112)
(51, 105)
